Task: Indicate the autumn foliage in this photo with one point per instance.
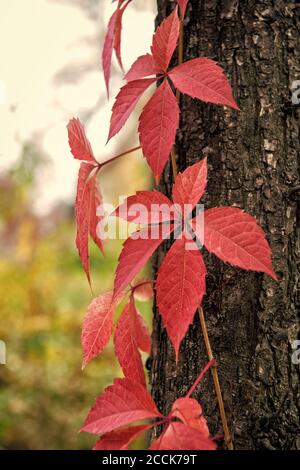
(119, 414)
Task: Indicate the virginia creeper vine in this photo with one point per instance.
(180, 285)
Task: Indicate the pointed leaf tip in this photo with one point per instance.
(182, 5)
(165, 40)
(190, 185)
(108, 49)
(79, 144)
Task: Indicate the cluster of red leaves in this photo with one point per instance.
(127, 402)
(112, 40)
(229, 233)
(131, 334)
(199, 78)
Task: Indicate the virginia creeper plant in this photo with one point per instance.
(119, 414)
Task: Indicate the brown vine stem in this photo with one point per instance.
(173, 161)
(120, 155)
(214, 371)
(200, 377)
(180, 60)
(180, 49)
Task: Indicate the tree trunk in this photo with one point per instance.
(253, 158)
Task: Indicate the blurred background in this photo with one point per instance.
(50, 71)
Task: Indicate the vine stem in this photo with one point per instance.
(200, 377)
(120, 155)
(214, 371)
(180, 61)
(173, 161)
(180, 49)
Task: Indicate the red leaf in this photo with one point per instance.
(180, 287)
(125, 103)
(108, 48)
(190, 185)
(126, 344)
(85, 193)
(203, 79)
(97, 326)
(146, 207)
(165, 40)
(88, 196)
(182, 5)
(158, 124)
(122, 403)
(120, 439)
(179, 436)
(236, 238)
(135, 255)
(118, 31)
(144, 66)
(79, 144)
(189, 411)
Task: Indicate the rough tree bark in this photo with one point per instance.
(253, 158)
